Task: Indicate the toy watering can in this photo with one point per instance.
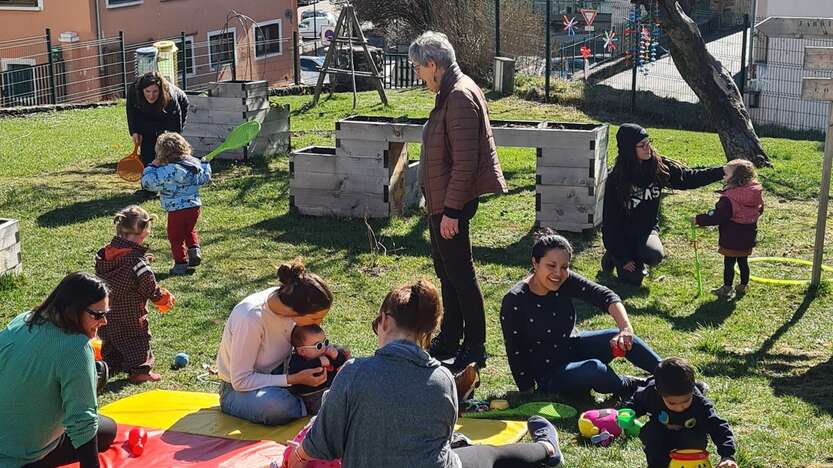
(689, 458)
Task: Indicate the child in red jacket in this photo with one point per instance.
(736, 213)
(124, 265)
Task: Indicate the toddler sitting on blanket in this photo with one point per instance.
(312, 349)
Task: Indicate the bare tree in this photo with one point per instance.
(469, 25)
(710, 81)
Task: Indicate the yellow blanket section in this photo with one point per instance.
(199, 413)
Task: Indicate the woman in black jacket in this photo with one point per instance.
(154, 106)
(630, 223)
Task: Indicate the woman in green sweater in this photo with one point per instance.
(47, 380)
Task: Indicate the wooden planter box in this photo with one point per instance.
(227, 105)
(570, 176)
(9, 247)
(324, 183)
(571, 164)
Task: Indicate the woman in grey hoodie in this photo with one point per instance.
(399, 407)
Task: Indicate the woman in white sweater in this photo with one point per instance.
(256, 341)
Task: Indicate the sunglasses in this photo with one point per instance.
(97, 314)
(318, 346)
(376, 321)
(645, 145)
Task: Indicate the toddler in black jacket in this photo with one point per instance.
(680, 416)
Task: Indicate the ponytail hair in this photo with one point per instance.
(304, 292)
(417, 308)
(131, 220)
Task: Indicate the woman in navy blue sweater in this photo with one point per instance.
(545, 350)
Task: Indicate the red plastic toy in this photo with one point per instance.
(136, 439)
(617, 351)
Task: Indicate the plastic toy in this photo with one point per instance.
(549, 410)
(697, 275)
(136, 440)
(499, 404)
(292, 445)
(689, 458)
(793, 261)
(238, 138)
(96, 344)
(166, 302)
(181, 360)
(617, 351)
(626, 419)
(130, 167)
(594, 422)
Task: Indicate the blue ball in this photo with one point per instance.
(181, 360)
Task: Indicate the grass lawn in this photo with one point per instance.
(766, 357)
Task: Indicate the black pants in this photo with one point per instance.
(658, 441)
(148, 147)
(503, 456)
(650, 252)
(729, 270)
(463, 313)
(87, 454)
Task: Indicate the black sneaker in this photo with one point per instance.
(442, 350)
(542, 430)
(468, 355)
(629, 386)
(607, 264)
(702, 386)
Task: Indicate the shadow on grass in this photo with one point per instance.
(787, 372)
(83, 211)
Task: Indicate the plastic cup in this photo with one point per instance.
(96, 344)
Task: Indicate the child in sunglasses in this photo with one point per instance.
(311, 349)
(125, 265)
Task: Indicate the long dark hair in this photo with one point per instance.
(149, 79)
(304, 292)
(416, 307)
(629, 169)
(64, 306)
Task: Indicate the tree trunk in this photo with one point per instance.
(711, 82)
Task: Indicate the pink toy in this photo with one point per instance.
(290, 447)
(592, 423)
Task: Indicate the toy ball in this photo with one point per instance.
(594, 422)
(499, 404)
(136, 440)
(689, 458)
(181, 360)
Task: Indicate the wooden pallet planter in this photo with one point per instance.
(228, 104)
(10, 247)
(324, 183)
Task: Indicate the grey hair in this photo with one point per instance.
(434, 46)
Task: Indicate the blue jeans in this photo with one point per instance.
(271, 406)
(588, 368)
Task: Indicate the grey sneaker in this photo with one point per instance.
(723, 292)
(194, 256)
(179, 269)
(741, 289)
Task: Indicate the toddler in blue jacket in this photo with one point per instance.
(177, 176)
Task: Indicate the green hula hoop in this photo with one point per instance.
(794, 261)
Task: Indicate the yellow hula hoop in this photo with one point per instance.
(794, 261)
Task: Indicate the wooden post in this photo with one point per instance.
(819, 89)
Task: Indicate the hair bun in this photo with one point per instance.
(543, 232)
(289, 273)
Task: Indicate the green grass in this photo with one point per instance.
(767, 357)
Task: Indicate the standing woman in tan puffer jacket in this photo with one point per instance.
(458, 163)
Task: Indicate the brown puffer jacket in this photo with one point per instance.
(460, 161)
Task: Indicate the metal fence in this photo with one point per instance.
(86, 71)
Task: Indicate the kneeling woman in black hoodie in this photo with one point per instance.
(630, 224)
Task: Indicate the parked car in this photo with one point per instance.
(321, 14)
(306, 2)
(312, 30)
(310, 69)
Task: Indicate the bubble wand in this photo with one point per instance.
(696, 259)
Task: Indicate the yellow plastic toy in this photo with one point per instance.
(689, 458)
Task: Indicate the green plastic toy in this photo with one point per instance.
(549, 410)
(238, 138)
(697, 275)
(626, 419)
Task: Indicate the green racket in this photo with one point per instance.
(238, 138)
